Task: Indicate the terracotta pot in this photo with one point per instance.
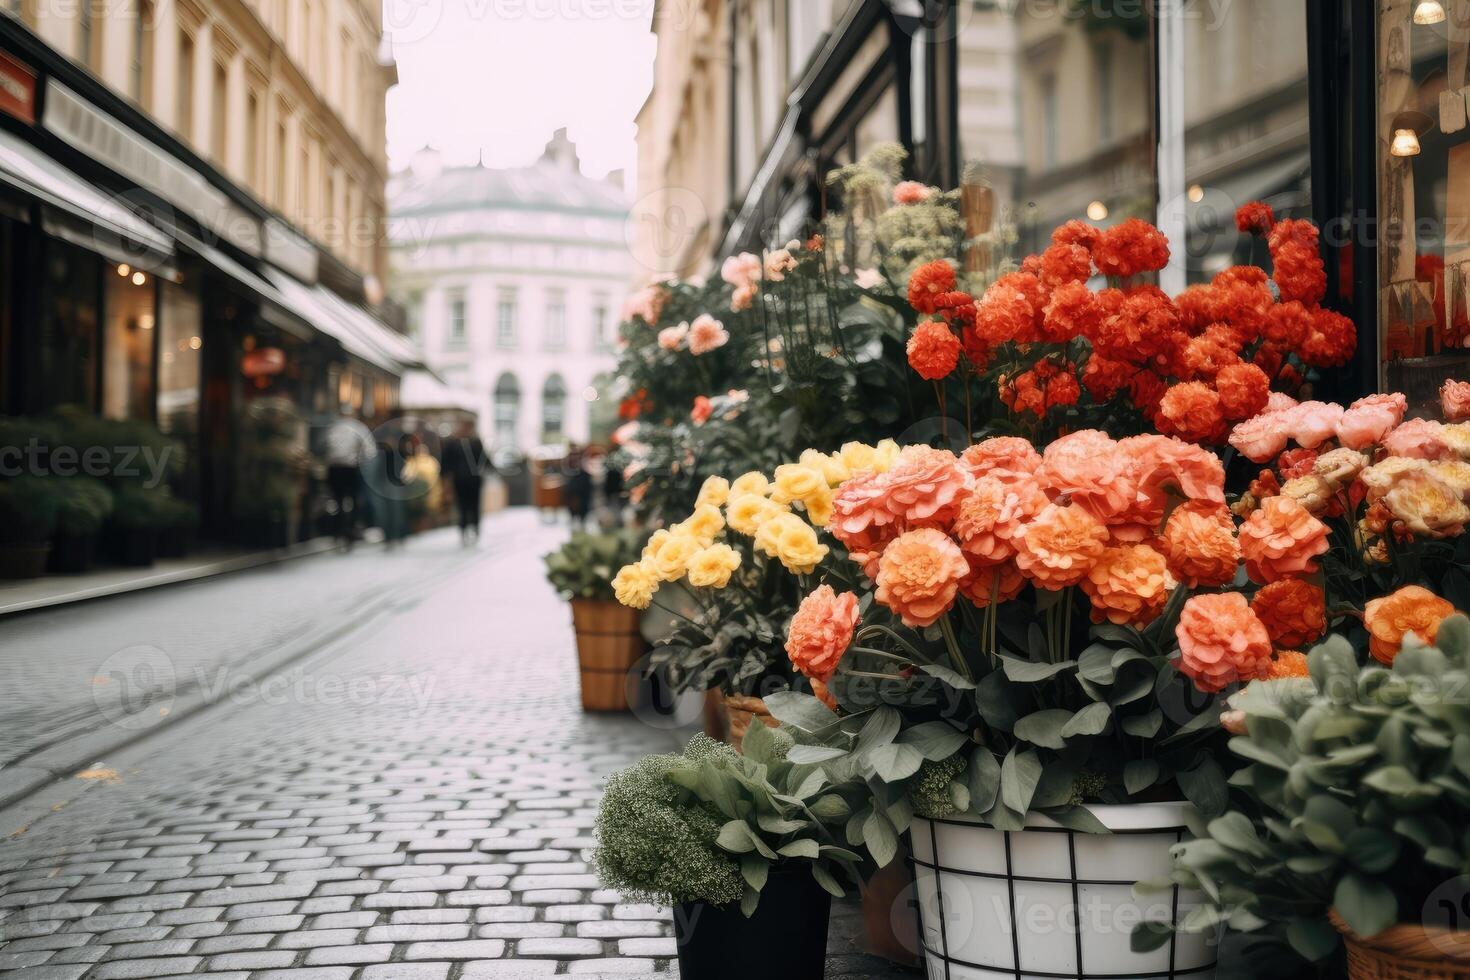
(716, 715)
(890, 915)
(609, 645)
(742, 711)
(1406, 952)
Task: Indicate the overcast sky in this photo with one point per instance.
(499, 76)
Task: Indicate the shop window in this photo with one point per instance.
(180, 367)
(1423, 198)
(553, 408)
(130, 312)
(507, 411)
(67, 352)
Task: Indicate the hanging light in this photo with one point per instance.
(1408, 127)
(139, 278)
(1097, 211)
(1196, 193)
(1429, 12)
(124, 270)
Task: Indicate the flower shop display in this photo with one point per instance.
(609, 641)
(1357, 781)
(747, 847)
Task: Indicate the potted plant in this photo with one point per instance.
(83, 506)
(609, 642)
(178, 522)
(132, 530)
(28, 507)
(747, 848)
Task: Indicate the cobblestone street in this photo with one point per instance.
(410, 802)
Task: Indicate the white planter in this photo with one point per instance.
(1070, 896)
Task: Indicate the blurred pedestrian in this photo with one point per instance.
(612, 489)
(578, 488)
(349, 447)
(388, 491)
(464, 467)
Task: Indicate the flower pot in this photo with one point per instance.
(890, 925)
(18, 561)
(72, 554)
(1406, 952)
(609, 645)
(784, 939)
(1049, 902)
(716, 715)
(135, 547)
(743, 710)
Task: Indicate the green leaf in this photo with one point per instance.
(1374, 851)
(1044, 728)
(1398, 782)
(831, 809)
(880, 838)
(1139, 775)
(1205, 787)
(1091, 720)
(1077, 818)
(736, 837)
(800, 711)
(894, 762)
(1019, 774)
(759, 744)
(951, 677)
(993, 699)
(812, 754)
(1235, 831)
(749, 901)
(804, 848)
(937, 740)
(754, 869)
(1145, 725)
(1149, 936)
(983, 779)
(828, 883)
(1031, 672)
(880, 729)
(1366, 904)
(1313, 939)
(1096, 664)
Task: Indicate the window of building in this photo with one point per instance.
(303, 181)
(553, 408)
(67, 347)
(1104, 55)
(1424, 202)
(219, 112)
(130, 307)
(184, 92)
(142, 66)
(556, 321)
(507, 411)
(252, 141)
(505, 320)
(282, 158)
(458, 319)
(601, 337)
(1049, 122)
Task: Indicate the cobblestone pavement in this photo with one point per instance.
(413, 805)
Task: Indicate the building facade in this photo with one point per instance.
(512, 279)
(1350, 112)
(191, 211)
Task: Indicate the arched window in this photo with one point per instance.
(507, 410)
(553, 408)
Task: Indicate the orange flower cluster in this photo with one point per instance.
(1410, 610)
(1192, 364)
(1089, 512)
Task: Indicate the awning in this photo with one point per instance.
(356, 330)
(117, 233)
(274, 308)
(422, 391)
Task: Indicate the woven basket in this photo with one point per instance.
(1406, 952)
(608, 647)
(742, 711)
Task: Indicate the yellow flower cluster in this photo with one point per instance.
(758, 507)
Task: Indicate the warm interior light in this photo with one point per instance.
(1429, 12)
(1405, 143)
(1097, 211)
(195, 343)
(1196, 193)
(139, 278)
(145, 322)
(124, 270)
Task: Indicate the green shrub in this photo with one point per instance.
(28, 508)
(133, 443)
(83, 505)
(707, 825)
(584, 567)
(1356, 798)
(137, 508)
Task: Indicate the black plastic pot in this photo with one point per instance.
(134, 547)
(20, 561)
(786, 936)
(72, 554)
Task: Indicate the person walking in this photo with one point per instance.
(464, 467)
(578, 489)
(388, 492)
(348, 448)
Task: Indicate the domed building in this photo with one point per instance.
(512, 279)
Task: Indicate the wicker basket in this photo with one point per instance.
(1407, 952)
(608, 647)
(742, 710)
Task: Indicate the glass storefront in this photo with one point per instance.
(1423, 195)
(66, 348)
(130, 310)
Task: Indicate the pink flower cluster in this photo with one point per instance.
(1365, 422)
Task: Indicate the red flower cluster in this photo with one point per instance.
(1192, 364)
